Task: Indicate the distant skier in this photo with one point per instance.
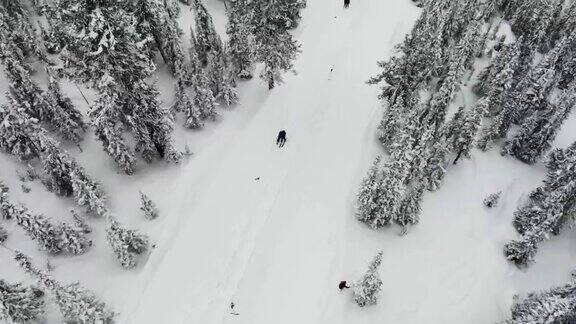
(343, 285)
(346, 3)
(281, 138)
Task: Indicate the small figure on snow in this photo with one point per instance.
(343, 284)
(232, 309)
(346, 3)
(281, 138)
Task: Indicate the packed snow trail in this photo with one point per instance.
(272, 245)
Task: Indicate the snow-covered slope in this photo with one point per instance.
(272, 229)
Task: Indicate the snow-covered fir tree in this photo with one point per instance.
(62, 113)
(16, 133)
(207, 39)
(239, 40)
(126, 244)
(58, 165)
(185, 104)
(16, 30)
(435, 169)
(105, 117)
(368, 200)
(76, 304)
(40, 229)
(539, 130)
(73, 239)
(273, 45)
(203, 103)
(463, 132)
(87, 192)
(20, 304)
(24, 92)
(410, 207)
(556, 305)
(290, 10)
(367, 289)
(148, 207)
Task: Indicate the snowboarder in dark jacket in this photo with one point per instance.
(281, 139)
(346, 3)
(342, 285)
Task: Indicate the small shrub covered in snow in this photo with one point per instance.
(126, 244)
(492, 200)
(148, 207)
(366, 291)
(20, 304)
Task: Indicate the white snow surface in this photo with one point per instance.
(278, 247)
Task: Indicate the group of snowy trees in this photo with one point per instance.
(419, 86)
(529, 82)
(111, 47)
(557, 305)
(551, 207)
(525, 93)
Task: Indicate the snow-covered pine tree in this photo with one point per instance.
(148, 207)
(62, 114)
(126, 244)
(16, 29)
(272, 43)
(465, 135)
(556, 305)
(76, 304)
(87, 192)
(229, 94)
(290, 11)
(435, 168)
(184, 103)
(20, 304)
(539, 130)
(44, 233)
(73, 239)
(368, 200)
(410, 207)
(392, 188)
(498, 87)
(207, 40)
(367, 289)
(203, 103)
(151, 123)
(239, 40)
(23, 90)
(105, 116)
(58, 165)
(16, 130)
